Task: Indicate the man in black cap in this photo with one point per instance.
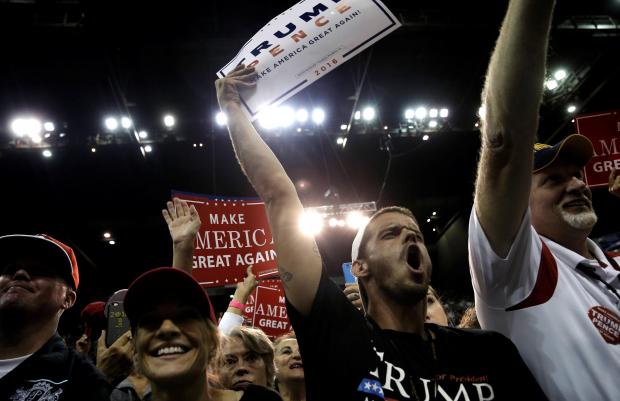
(38, 282)
(537, 277)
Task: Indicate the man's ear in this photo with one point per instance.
(70, 297)
(359, 268)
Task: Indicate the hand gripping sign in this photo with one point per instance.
(603, 130)
(234, 234)
(306, 42)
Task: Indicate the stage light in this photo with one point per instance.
(93, 150)
(49, 126)
(559, 75)
(221, 118)
(571, 108)
(111, 123)
(434, 213)
(298, 129)
(62, 135)
(36, 138)
(302, 115)
(107, 235)
(432, 124)
(311, 223)
(126, 122)
(47, 153)
(409, 114)
(433, 113)
(428, 220)
(318, 116)
(355, 220)
(169, 121)
(385, 127)
(148, 149)
(286, 116)
(112, 242)
(357, 115)
(200, 144)
(551, 84)
(340, 140)
(47, 135)
(420, 113)
(368, 113)
(482, 112)
(268, 118)
(26, 127)
(143, 134)
(425, 138)
(343, 127)
(443, 113)
(333, 222)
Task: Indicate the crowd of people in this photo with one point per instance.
(546, 296)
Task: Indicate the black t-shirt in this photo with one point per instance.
(348, 357)
(54, 372)
(259, 393)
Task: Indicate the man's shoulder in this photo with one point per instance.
(465, 337)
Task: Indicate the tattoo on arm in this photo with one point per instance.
(285, 276)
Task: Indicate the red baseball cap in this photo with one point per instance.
(46, 250)
(93, 317)
(165, 283)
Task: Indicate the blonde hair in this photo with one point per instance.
(256, 341)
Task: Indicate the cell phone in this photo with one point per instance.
(349, 278)
(118, 323)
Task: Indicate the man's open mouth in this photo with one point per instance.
(413, 257)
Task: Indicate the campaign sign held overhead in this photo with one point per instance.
(234, 234)
(603, 130)
(304, 43)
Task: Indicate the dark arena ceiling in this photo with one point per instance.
(74, 62)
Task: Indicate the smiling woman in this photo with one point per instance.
(175, 338)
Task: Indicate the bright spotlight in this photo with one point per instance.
(425, 138)
(26, 127)
(368, 113)
(302, 115)
(107, 235)
(49, 126)
(268, 118)
(36, 138)
(111, 123)
(443, 113)
(126, 122)
(333, 222)
(482, 112)
(221, 118)
(47, 153)
(432, 124)
(318, 116)
(148, 149)
(409, 114)
(143, 134)
(420, 113)
(551, 84)
(356, 220)
(340, 140)
(357, 115)
(434, 213)
(286, 116)
(571, 108)
(433, 113)
(169, 121)
(112, 242)
(93, 150)
(343, 127)
(311, 223)
(559, 75)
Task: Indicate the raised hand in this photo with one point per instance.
(228, 88)
(183, 222)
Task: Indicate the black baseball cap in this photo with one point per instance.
(165, 283)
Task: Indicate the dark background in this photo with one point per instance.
(74, 62)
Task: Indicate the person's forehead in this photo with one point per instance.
(289, 342)
(234, 346)
(390, 219)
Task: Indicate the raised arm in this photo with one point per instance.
(299, 261)
(511, 97)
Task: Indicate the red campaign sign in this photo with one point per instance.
(266, 309)
(234, 234)
(603, 130)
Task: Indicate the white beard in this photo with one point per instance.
(580, 221)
